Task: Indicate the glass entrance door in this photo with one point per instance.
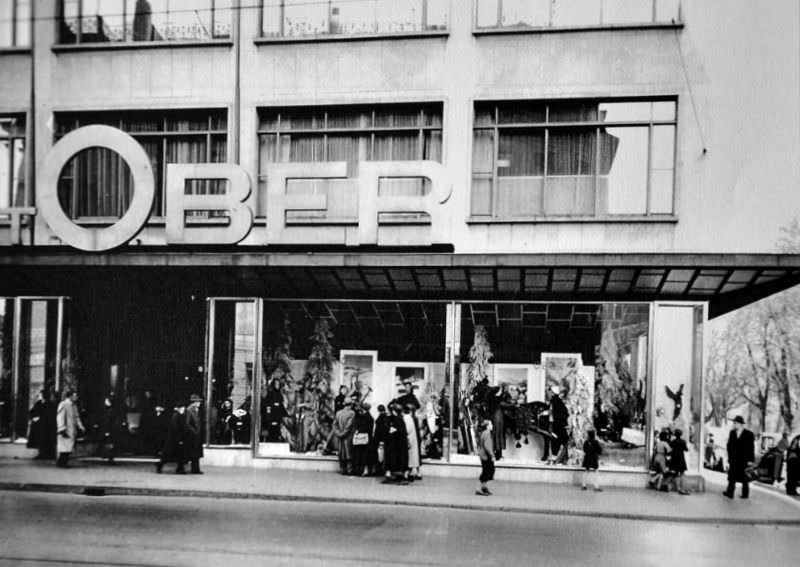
(232, 367)
(31, 348)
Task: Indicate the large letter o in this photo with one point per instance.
(96, 239)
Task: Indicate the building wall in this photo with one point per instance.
(734, 67)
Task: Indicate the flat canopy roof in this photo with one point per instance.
(726, 281)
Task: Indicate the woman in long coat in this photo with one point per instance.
(36, 416)
(68, 423)
(396, 447)
(363, 448)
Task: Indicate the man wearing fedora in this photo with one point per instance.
(741, 454)
(194, 427)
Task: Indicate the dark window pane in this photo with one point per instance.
(573, 112)
(521, 153)
(516, 113)
(571, 152)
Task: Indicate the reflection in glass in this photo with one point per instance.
(317, 355)
(545, 374)
(6, 366)
(37, 351)
(232, 362)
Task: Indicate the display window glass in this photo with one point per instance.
(545, 374)
(320, 356)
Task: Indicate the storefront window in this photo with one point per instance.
(546, 374)
(6, 366)
(37, 351)
(231, 370)
(678, 373)
(319, 355)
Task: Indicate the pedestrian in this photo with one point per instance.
(486, 455)
(677, 460)
(381, 434)
(110, 429)
(194, 427)
(363, 424)
(780, 455)
(591, 460)
(660, 466)
(36, 423)
(343, 426)
(793, 466)
(147, 425)
(741, 454)
(396, 448)
(174, 449)
(412, 434)
(68, 423)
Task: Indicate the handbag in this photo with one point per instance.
(751, 473)
(360, 438)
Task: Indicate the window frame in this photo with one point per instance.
(423, 111)
(499, 27)
(8, 190)
(129, 41)
(281, 37)
(599, 214)
(164, 135)
(16, 23)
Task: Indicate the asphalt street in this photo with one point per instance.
(68, 529)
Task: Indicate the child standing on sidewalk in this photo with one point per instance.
(486, 454)
(591, 462)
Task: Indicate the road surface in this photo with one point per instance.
(40, 529)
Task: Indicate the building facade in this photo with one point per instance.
(238, 197)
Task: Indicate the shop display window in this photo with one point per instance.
(546, 374)
(317, 355)
(232, 362)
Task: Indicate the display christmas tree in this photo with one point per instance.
(277, 364)
(316, 389)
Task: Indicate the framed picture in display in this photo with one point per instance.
(357, 368)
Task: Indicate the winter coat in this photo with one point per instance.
(68, 422)
(343, 430)
(741, 450)
(396, 446)
(677, 461)
(591, 453)
(177, 436)
(36, 416)
(194, 427)
(362, 454)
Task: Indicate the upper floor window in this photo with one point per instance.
(15, 22)
(12, 162)
(310, 18)
(352, 134)
(93, 21)
(568, 13)
(573, 159)
(97, 184)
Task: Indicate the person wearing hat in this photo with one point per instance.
(174, 450)
(379, 439)
(194, 426)
(343, 427)
(741, 454)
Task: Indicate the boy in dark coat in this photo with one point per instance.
(741, 454)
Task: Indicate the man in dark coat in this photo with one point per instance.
(194, 426)
(741, 454)
(174, 450)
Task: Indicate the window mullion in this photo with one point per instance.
(597, 210)
(494, 197)
(649, 168)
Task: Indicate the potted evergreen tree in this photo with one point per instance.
(317, 398)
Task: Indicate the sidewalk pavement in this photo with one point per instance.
(765, 506)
